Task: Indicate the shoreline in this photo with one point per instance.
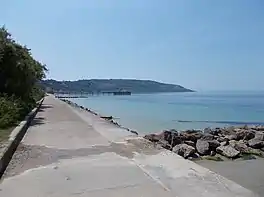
(110, 119)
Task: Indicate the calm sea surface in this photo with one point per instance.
(154, 112)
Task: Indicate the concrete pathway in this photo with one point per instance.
(68, 152)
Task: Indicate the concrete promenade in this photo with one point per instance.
(68, 152)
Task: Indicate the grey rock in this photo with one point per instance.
(165, 144)
(259, 135)
(174, 131)
(175, 140)
(256, 143)
(213, 144)
(240, 146)
(191, 135)
(232, 142)
(244, 134)
(207, 130)
(208, 137)
(184, 150)
(192, 131)
(224, 143)
(227, 151)
(231, 137)
(221, 135)
(153, 137)
(228, 131)
(221, 139)
(190, 143)
(259, 128)
(171, 136)
(214, 132)
(202, 147)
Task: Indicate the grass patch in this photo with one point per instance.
(4, 134)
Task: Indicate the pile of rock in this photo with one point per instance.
(230, 142)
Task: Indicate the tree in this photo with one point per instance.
(20, 75)
(19, 71)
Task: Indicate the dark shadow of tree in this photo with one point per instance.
(37, 121)
(44, 107)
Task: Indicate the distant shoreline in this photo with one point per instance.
(106, 85)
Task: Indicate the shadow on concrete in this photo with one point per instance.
(37, 121)
(44, 106)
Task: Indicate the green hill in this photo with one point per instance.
(102, 85)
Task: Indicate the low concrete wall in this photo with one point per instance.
(15, 138)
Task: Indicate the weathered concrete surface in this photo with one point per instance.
(69, 152)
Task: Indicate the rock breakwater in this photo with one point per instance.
(215, 144)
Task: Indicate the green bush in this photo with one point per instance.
(9, 111)
(20, 74)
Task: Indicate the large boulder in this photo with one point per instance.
(240, 146)
(168, 134)
(259, 135)
(224, 143)
(190, 143)
(256, 143)
(221, 139)
(228, 131)
(213, 144)
(171, 136)
(153, 137)
(184, 150)
(207, 130)
(191, 135)
(202, 147)
(214, 132)
(259, 128)
(167, 139)
(165, 144)
(208, 137)
(227, 151)
(231, 137)
(243, 134)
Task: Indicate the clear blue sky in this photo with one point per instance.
(200, 44)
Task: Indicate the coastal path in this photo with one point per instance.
(69, 152)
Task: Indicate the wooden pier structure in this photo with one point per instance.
(88, 94)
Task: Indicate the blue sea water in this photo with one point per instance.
(147, 113)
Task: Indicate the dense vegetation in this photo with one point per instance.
(20, 74)
(101, 85)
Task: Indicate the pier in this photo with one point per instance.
(88, 94)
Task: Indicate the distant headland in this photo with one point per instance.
(105, 85)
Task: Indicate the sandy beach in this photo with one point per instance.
(248, 173)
